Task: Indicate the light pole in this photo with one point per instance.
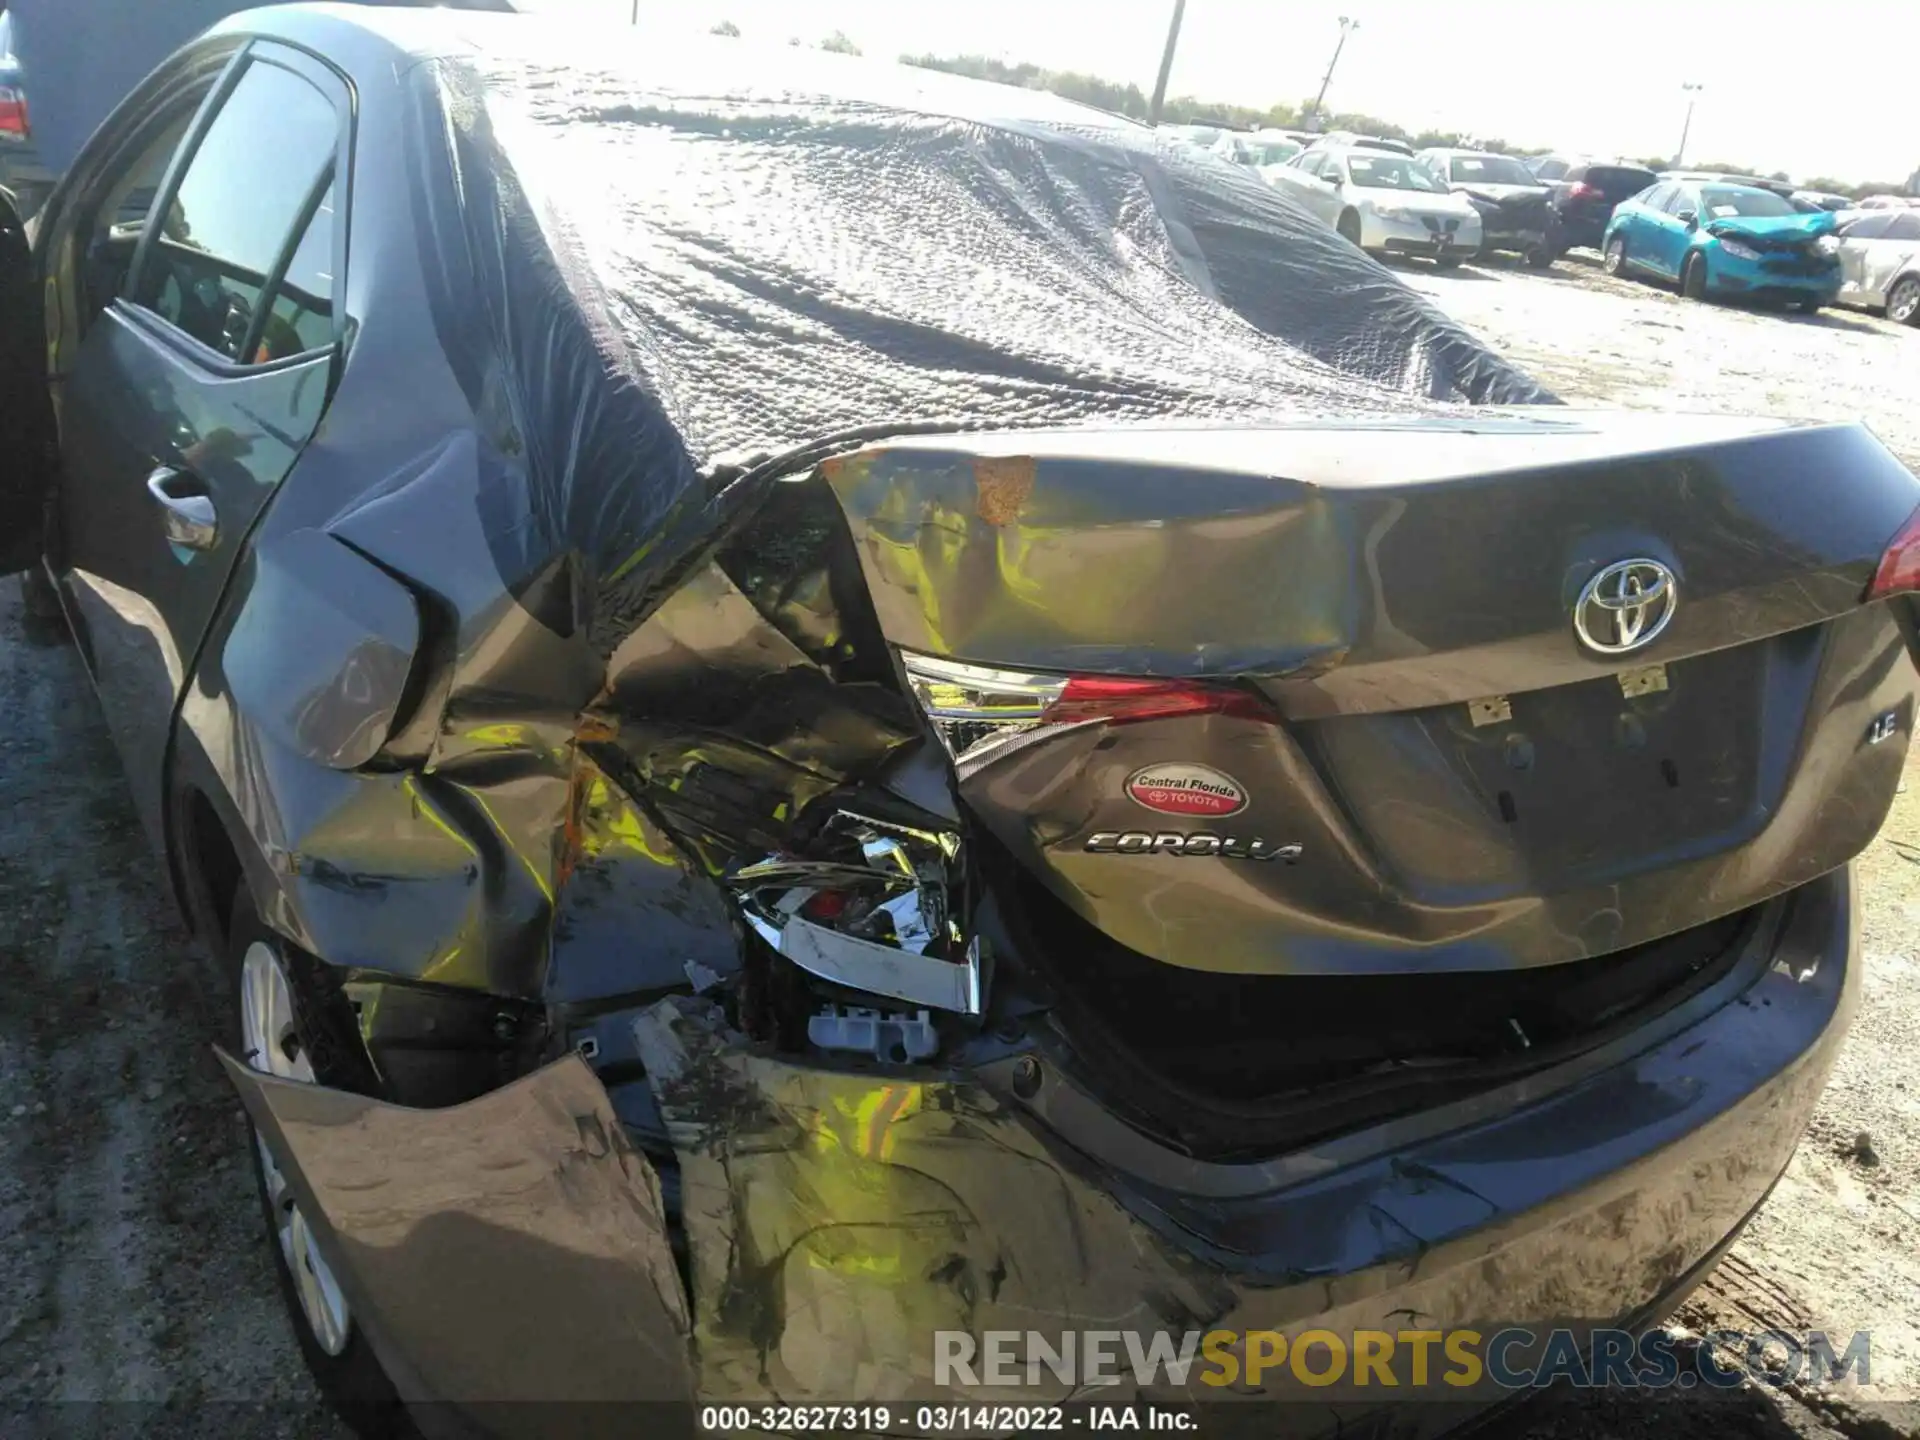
(1346, 25)
(634, 18)
(1166, 63)
(1692, 93)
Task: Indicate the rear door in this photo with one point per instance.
(196, 387)
(1857, 239)
(1305, 177)
(1889, 256)
(1670, 229)
(1638, 227)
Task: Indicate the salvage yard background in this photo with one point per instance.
(133, 1262)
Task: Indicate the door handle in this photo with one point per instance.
(185, 508)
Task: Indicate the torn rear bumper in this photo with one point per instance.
(517, 1247)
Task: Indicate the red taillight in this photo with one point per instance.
(13, 113)
(1583, 191)
(1899, 571)
(1116, 701)
(825, 906)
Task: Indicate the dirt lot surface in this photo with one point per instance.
(135, 1265)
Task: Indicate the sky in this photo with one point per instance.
(1799, 90)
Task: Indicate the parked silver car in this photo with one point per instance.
(1385, 203)
(1371, 142)
(1880, 262)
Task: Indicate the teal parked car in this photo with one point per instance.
(1715, 239)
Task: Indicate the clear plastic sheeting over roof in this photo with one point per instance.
(644, 256)
(788, 244)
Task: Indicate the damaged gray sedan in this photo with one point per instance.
(821, 707)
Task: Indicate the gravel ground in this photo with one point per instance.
(137, 1278)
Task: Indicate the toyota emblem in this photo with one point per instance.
(1625, 606)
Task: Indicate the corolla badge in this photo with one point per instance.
(1625, 606)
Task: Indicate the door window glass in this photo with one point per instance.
(1683, 198)
(114, 232)
(250, 183)
(302, 314)
(1904, 226)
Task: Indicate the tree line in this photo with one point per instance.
(1131, 101)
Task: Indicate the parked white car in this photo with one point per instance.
(1880, 262)
(1200, 137)
(1385, 203)
(1257, 149)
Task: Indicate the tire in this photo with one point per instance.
(342, 1363)
(1541, 257)
(1903, 301)
(38, 595)
(42, 621)
(1349, 227)
(1447, 262)
(1693, 277)
(1615, 261)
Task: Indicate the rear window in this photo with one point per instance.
(1490, 170)
(1618, 179)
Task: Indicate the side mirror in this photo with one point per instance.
(1687, 218)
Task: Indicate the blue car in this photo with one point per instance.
(1726, 240)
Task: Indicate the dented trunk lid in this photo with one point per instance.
(1425, 766)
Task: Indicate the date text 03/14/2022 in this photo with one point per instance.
(945, 1419)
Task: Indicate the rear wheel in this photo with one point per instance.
(1541, 257)
(1616, 258)
(1349, 227)
(1903, 300)
(1693, 277)
(1448, 262)
(38, 595)
(44, 622)
(334, 1347)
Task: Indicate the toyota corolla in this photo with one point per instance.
(817, 704)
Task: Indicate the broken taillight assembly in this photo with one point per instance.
(1116, 700)
(874, 906)
(978, 708)
(1899, 569)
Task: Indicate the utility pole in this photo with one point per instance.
(1346, 25)
(1166, 63)
(634, 18)
(1692, 93)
